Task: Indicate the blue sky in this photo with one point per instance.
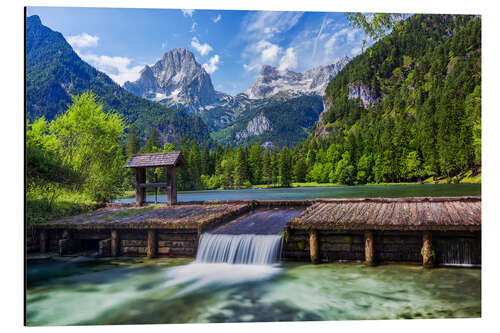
(232, 45)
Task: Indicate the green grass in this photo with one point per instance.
(467, 177)
(50, 202)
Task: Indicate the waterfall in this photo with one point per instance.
(459, 252)
(239, 249)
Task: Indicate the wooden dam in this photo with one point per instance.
(430, 231)
(426, 230)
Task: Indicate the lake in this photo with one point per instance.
(78, 291)
(303, 193)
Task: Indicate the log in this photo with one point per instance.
(171, 186)
(314, 246)
(132, 242)
(43, 241)
(140, 192)
(115, 243)
(105, 247)
(152, 244)
(427, 252)
(153, 185)
(369, 252)
(134, 250)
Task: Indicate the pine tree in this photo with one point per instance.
(285, 167)
(255, 164)
(154, 141)
(239, 168)
(133, 145)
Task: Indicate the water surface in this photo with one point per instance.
(303, 193)
(78, 291)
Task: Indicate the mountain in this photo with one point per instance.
(54, 72)
(176, 80)
(277, 122)
(408, 108)
(272, 81)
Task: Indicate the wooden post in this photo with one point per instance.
(171, 186)
(140, 192)
(43, 241)
(152, 244)
(314, 246)
(427, 252)
(104, 247)
(65, 243)
(369, 252)
(115, 243)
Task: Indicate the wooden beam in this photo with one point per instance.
(314, 246)
(115, 243)
(369, 249)
(427, 251)
(140, 192)
(171, 186)
(153, 185)
(104, 247)
(152, 244)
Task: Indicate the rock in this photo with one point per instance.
(360, 91)
(256, 126)
(176, 80)
(272, 81)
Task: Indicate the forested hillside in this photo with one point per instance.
(289, 121)
(407, 108)
(54, 72)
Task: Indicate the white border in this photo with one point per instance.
(12, 161)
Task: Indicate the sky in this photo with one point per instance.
(232, 45)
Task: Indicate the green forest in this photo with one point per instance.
(424, 123)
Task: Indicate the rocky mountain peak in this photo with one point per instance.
(272, 81)
(176, 79)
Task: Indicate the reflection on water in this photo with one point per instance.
(303, 193)
(134, 291)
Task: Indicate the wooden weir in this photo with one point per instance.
(373, 230)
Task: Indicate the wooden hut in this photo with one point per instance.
(168, 160)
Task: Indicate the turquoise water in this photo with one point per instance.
(302, 193)
(78, 291)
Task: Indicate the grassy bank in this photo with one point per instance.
(50, 202)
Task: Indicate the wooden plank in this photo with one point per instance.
(345, 208)
(455, 218)
(142, 185)
(352, 213)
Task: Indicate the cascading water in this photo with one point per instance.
(239, 249)
(459, 252)
(244, 250)
(228, 259)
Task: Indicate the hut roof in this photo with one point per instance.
(422, 213)
(173, 158)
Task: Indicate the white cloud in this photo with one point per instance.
(265, 24)
(118, 68)
(211, 66)
(83, 40)
(164, 44)
(340, 36)
(268, 51)
(187, 12)
(203, 49)
(216, 18)
(289, 60)
(261, 53)
(193, 27)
